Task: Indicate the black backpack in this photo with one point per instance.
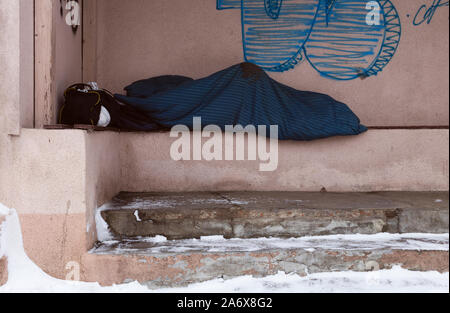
(82, 105)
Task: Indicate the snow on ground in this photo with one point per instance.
(396, 280)
(217, 244)
(25, 276)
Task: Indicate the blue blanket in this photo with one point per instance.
(241, 95)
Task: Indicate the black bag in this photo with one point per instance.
(83, 104)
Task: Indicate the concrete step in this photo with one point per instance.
(158, 262)
(274, 214)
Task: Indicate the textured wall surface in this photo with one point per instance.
(137, 39)
(68, 63)
(55, 180)
(10, 65)
(16, 63)
(414, 160)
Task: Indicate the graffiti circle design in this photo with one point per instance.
(276, 44)
(343, 46)
(333, 35)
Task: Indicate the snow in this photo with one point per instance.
(157, 239)
(139, 203)
(213, 244)
(136, 214)
(25, 276)
(396, 280)
(3, 210)
(103, 232)
(212, 238)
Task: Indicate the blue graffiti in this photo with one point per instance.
(273, 8)
(329, 8)
(229, 4)
(426, 14)
(343, 46)
(334, 36)
(276, 44)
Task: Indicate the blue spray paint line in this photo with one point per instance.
(393, 32)
(228, 4)
(273, 8)
(329, 8)
(426, 14)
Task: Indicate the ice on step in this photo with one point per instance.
(213, 244)
(156, 239)
(136, 214)
(212, 238)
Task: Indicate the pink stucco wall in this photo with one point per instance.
(16, 64)
(138, 39)
(388, 160)
(68, 54)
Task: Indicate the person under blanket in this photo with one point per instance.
(242, 94)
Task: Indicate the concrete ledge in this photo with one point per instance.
(379, 160)
(83, 170)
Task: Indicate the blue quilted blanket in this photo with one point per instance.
(240, 95)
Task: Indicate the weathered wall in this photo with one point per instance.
(55, 180)
(379, 160)
(103, 172)
(137, 39)
(58, 58)
(68, 53)
(10, 64)
(26, 63)
(47, 188)
(16, 64)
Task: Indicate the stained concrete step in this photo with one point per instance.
(275, 214)
(158, 262)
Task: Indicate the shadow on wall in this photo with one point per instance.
(341, 39)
